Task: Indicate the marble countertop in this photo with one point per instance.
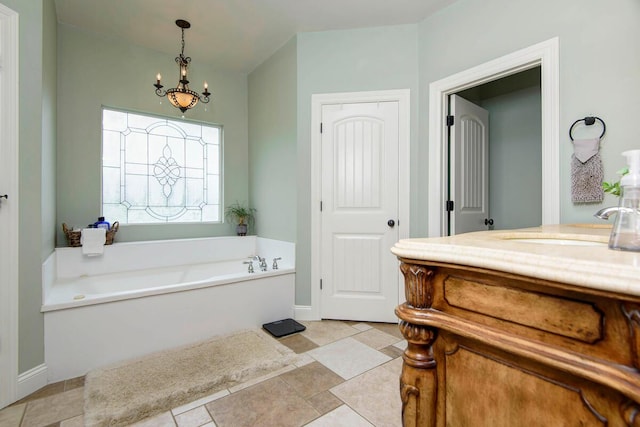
(580, 256)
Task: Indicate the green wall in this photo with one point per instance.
(599, 68)
(515, 158)
(381, 58)
(272, 144)
(95, 71)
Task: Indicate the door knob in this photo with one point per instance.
(391, 223)
(488, 221)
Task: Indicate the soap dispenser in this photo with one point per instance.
(625, 234)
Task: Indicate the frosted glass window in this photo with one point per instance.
(159, 170)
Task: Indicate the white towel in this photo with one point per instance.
(586, 172)
(584, 149)
(93, 240)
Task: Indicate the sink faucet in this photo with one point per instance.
(605, 213)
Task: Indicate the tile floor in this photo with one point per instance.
(348, 376)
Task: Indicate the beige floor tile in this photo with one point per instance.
(375, 338)
(270, 403)
(327, 331)
(48, 390)
(200, 402)
(324, 402)
(362, 326)
(375, 395)
(388, 328)
(348, 357)
(257, 380)
(193, 418)
(298, 343)
(402, 345)
(51, 409)
(162, 420)
(12, 415)
(73, 383)
(311, 379)
(392, 351)
(342, 416)
(73, 422)
(304, 359)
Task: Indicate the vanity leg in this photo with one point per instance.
(418, 381)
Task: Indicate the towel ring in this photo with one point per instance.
(589, 120)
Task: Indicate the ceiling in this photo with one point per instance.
(234, 35)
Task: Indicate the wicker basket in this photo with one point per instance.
(111, 233)
(73, 236)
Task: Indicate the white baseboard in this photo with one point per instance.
(32, 380)
(303, 312)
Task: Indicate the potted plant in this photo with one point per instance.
(242, 215)
(614, 187)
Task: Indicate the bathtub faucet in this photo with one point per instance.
(262, 261)
(250, 269)
(275, 263)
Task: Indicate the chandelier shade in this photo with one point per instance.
(181, 96)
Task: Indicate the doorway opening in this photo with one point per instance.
(544, 55)
(512, 155)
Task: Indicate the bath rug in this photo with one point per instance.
(127, 392)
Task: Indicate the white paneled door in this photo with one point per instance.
(359, 217)
(8, 206)
(469, 163)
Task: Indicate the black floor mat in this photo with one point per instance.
(281, 328)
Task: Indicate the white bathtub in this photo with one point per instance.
(142, 297)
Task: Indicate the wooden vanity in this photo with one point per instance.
(503, 331)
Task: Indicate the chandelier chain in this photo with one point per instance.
(182, 51)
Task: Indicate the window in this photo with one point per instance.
(159, 170)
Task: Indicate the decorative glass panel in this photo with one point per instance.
(157, 170)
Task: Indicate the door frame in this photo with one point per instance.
(546, 56)
(317, 102)
(9, 244)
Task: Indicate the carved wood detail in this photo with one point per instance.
(631, 414)
(418, 286)
(488, 348)
(632, 313)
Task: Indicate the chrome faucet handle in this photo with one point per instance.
(275, 263)
(263, 264)
(250, 269)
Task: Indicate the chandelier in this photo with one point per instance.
(181, 96)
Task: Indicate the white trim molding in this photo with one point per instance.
(32, 380)
(403, 96)
(9, 242)
(303, 312)
(546, 56)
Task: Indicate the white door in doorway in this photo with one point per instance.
(8, 206)
(469, 167)
(359, 218)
